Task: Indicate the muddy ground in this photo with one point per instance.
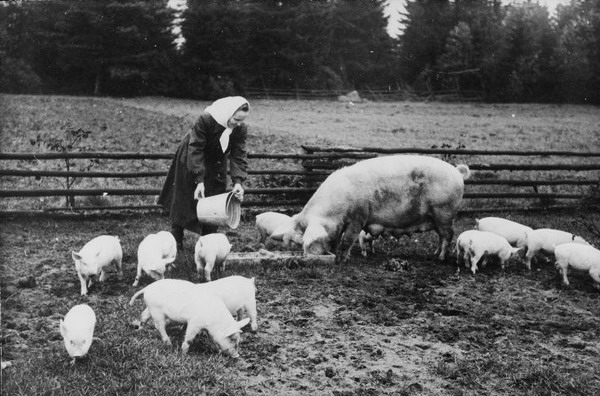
(396, 323)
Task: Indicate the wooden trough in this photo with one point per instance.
(278, 258)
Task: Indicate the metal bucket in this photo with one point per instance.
(220, 210)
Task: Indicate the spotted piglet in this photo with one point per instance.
(365, 241)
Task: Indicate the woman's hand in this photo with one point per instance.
(199, 192)
(238, 191)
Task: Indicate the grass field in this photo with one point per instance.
(152, 125)
(395, 323)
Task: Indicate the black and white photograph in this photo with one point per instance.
(300, 197)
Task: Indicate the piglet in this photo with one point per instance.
(154, 254)
(475, 245)
(579, 257)
(183, 302)
(510, 230)
(77, 330)
(365, 241)
(272, 226)
(94, 256)
(238, 293)
(545, 239)
(211, 252)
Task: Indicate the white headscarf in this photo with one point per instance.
(222, 110)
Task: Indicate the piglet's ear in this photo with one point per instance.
(243, 323)
(236, 327)
(61, 326)
(231, 331)
(280, 232)
(76, 256)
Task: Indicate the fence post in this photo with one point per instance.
(309, 179)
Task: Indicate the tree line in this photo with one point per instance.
(508, 52)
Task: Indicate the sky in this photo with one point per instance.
(396, 6)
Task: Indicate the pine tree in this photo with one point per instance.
(579, 49)
(123, 47)
(119, 47)
(427, 26)
(525, 66)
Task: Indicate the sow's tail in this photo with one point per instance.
(464, 171)
(136, 295)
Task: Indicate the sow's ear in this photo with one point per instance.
(76, 256)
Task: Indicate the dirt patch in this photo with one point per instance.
(395, 323)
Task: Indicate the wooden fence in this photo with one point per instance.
(523, 180)
(380, 95)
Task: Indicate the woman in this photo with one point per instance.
(199, 168)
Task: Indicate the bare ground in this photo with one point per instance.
(395, 323)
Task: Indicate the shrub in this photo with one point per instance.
(18, 77)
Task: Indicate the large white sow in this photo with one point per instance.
(401, 193)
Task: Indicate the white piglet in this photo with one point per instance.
(510, 230)
(154, 255)
(545, 239)
(211, 252)
(273, 225)
(238, 293)
(266, 223)
(584, 258)
(473, 245)
(77, 330)
(183, 302)
(95, 255)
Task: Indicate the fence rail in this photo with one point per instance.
(452, 94)
(508, 182)
(447, 151)
(302, 172)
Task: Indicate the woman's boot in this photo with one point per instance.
(177, 232)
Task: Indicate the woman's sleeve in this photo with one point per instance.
(196, 146)
(238, 164)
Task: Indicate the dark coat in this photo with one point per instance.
(200, 158)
